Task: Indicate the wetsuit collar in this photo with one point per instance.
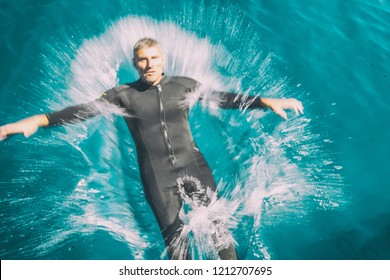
(164, 80)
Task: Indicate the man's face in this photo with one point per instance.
(149, 63)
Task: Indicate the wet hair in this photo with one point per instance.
(144, 43)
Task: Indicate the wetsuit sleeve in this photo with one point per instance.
(228, 100)
(225, 100)
(83, 111)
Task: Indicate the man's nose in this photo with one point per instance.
(148, 63)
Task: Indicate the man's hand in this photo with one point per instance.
(278, 106)
(26, 126)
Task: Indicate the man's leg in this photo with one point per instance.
(177, 246)
(228, 253)
(195, 194)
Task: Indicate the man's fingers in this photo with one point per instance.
(279, 106)
(26, 126)
(295, 105)
(300, 107)
(3, 132)
(281, 113)
(12, 128)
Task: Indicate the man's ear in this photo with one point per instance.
(134, 63)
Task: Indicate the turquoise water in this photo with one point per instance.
(313, 187)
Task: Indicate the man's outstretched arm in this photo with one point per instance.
(277, 105)
(27, 126)
(30, 125)
(71, 114)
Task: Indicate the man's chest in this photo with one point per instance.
(152, 103)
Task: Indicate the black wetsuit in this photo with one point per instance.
(166, 150)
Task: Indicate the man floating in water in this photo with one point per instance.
(158, 122)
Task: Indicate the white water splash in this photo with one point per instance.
(207, 221)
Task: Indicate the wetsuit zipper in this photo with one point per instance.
(164, 128)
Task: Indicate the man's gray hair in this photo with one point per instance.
(145, 43)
